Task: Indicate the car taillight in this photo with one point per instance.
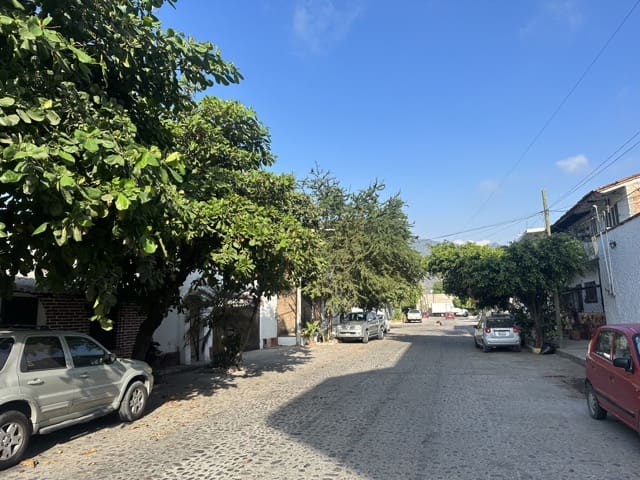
(487, 330)
(515, 329)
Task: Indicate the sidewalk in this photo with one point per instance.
(575, 350)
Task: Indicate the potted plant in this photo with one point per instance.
(311, 332)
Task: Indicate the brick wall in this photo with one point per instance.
(66, 312)
(129, 323)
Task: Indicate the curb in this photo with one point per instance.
(572, 357)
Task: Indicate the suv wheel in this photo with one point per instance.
(134, 402)
(15, 431)
(595, 410)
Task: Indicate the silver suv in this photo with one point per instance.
(360, 326)
(53, 379)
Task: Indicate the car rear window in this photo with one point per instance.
(5, 349)
(500, 322)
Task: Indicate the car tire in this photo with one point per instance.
(134, 402)
(15, 430)
(595, 410)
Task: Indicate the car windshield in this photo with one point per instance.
(354, 317)
(414, 310)
(5, 348)
(502, 321)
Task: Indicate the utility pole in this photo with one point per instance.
(298, 312)
(556, 297)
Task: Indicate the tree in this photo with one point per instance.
(527, 272)
(368, 256)
(471, 271)
(104, 187)
(536, 267)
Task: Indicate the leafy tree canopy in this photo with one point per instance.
(527, 271)
(113, 180)
(369, 258)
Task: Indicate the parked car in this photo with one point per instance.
(360, 326)
(460, 312)
(496, 330)
(612, 372)
(384, 319)
(54, 379)
(414, 315)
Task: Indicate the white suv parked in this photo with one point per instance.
(53, 379)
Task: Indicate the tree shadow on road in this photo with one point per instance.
(179, 384)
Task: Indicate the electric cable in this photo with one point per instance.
(558, 108)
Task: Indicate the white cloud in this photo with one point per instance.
(321, 24)
(482, 243)
(576, 164)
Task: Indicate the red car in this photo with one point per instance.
(450, 316)
(612, 366)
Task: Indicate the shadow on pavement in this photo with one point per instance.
(180, 384)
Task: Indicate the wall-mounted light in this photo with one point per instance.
(613, 244)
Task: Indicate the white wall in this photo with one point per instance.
(623, 306)
(171, 334)
(268, 320)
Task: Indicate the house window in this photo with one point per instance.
(19, 310)
(590, 292)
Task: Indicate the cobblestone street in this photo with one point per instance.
(421, 404)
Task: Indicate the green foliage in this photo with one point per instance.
(526, 271)
(113, 181)
(311, 329)
(471, 271)
(368, 256)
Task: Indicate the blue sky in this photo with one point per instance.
(446, 102)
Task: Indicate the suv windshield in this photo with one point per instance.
(502, 321)
(354, 317)
(5, 348)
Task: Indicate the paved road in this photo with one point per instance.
(421, 404)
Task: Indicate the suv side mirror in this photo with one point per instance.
(109, 358)
(623, 362)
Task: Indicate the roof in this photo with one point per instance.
(584, 206)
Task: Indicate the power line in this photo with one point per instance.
(606, 163)
(488, 227)
(558, 108)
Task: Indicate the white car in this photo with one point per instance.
(497, 330)
(460, 312)
(414, 315)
